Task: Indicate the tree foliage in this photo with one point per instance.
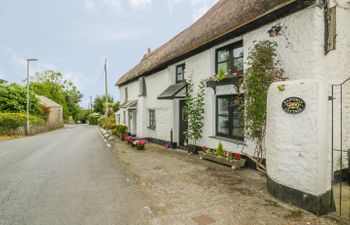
(195, 113)
(99, 105)
(13, 99)
(53, 85)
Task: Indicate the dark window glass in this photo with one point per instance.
(180, 73)
(230, 58)
(229, 118)
(152, 119)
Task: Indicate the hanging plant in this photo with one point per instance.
(263, 70)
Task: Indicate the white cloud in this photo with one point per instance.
(89, 5)
(92, 5)
(199, 7)
(102, 33)
(140, 4)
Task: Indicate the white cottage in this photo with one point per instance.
(313, 38)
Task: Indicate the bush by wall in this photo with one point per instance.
(13, 121)
(93, 120)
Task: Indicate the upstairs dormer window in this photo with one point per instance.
(180, 73)
(229, 59)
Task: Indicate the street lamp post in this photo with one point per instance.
(28, 82)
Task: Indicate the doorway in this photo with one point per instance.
(183, 123)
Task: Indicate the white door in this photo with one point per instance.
(132, 121)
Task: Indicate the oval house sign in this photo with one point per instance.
(293, 105)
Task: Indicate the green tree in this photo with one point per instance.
(52, 84)
(99, 105)
(195, 113)
(13, 99)
(83, 115)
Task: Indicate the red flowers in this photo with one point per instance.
(237, 156)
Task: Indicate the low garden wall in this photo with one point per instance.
(14, 124)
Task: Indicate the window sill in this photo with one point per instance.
(151, 128)
(235, 141)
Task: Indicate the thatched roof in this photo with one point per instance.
(224, 17)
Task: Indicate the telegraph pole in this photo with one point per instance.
(106, 89)
(90, 104)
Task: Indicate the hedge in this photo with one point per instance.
(93, 120)
(11, 121)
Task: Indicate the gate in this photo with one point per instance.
(341, 149)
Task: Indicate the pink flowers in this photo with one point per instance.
(128, 139)
(141, 142)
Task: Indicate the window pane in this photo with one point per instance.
(238, 52)
(179, 76)
(179, 69)
(180, 73)
(238, 64)
(223, 55)
(223, 125)
(223, 67)
(223, 106)
(238, 123)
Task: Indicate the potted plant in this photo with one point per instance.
(140, 144)
(221, 156)
(122, 131)
(128, 139)
(173, 145)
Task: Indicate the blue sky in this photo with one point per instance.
(74, 36)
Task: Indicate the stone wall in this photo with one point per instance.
(21, 131)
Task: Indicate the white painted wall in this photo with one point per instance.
(302, 56)
(298, 155)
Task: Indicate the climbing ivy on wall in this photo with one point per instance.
(263, 70)
(195, 113)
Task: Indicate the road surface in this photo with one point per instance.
(67, 176)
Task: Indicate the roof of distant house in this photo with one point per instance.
(225, 17)
(48, 102)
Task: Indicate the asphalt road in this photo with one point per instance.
(67, 176)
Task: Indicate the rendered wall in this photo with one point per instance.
(298, 158)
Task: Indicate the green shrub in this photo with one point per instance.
(108, 124)
(93, 120)
(13, 99)
(220, 150)
(103, 122)
(122, 129)
(10, 121)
